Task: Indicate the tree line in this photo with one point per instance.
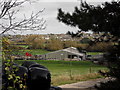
(37, 42)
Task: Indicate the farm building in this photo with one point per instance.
(71, 53)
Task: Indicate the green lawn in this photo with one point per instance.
(24, 46)
(70, 71)
(37, 51)
(94, 53)
(32, 51)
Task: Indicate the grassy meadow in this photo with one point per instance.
(37, 51)
(63, 72)
(32, 51)
(42, 51)
(94, 53)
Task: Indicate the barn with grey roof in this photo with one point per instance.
(70, 53)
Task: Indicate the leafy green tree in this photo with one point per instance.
(69, 43)
(10, 80)
(100, 47)
(85, 41)
(102, 18)
(54, 44)
(35, 42)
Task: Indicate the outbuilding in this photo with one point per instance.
(70, 53)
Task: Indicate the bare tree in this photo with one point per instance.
(8, 21)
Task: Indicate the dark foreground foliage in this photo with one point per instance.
(110, 85)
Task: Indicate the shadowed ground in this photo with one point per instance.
(84, 85)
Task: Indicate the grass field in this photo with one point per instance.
(37, 51)
(63, 72)
(24, 46)
(94, 53)
(42, 51)
(33, 51)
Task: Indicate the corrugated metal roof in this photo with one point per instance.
(76, 53)
(72, 50)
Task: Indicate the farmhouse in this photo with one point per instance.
(71, 53)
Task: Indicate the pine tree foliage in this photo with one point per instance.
(102, 18)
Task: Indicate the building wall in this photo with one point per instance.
(56, 55)
(61, 55)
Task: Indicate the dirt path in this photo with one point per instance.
(83, 85)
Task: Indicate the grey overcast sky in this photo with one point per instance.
(71, 0)
(50, 14)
